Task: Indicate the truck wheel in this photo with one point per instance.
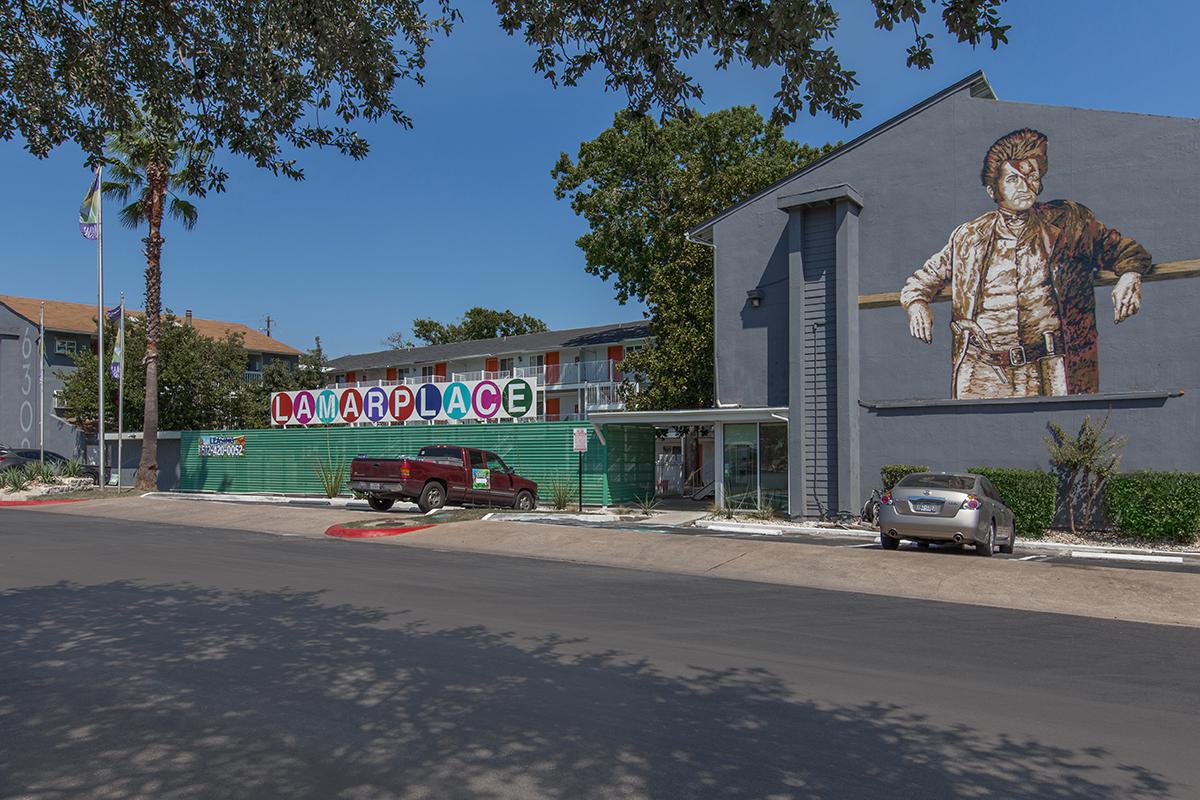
(380, 503)
(525, 502)
(432, 496)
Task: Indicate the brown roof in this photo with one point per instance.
(81, 318)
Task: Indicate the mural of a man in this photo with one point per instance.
(1023, 305)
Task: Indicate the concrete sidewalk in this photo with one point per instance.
(1103, 592)
(281, 519)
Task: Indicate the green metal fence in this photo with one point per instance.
(284, 460)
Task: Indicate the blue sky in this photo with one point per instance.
(460, 211)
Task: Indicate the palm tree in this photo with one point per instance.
(147, 162)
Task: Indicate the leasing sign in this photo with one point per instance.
(459, 400)
(223, 446)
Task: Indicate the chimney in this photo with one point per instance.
(187, 318)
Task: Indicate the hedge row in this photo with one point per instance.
(892, 473)
(1029, 493)
(1155, 506)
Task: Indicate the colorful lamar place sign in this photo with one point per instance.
(460, 400)
(223, 446)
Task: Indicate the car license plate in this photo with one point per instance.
(375, 486)
(927, 507)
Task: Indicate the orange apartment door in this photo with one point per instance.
(552, 408)
(551, 362)
(439, 371)
(616, 353)
(391, 374)
(350, 376)
(492, 365)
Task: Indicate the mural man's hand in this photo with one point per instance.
(920, 321)
(1127, 296)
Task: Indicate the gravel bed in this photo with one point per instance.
(1109, 539)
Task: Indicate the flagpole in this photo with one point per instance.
(100, 313)
(42, 384)
(121, 393)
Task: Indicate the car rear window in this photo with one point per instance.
(955, 483)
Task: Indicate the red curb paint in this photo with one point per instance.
(370, 533)
(6, 503)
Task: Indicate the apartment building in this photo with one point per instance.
(70, 329)
(576, 371)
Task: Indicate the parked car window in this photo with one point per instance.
(477, 460)
(955, 483)
(495, 464)
(989, 490)
(441, 452)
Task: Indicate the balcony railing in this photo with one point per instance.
(572, 374)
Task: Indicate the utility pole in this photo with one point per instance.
(269, 321)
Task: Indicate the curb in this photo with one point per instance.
(9, 503)
(269, 500)
(1026, 544)
(339, 532)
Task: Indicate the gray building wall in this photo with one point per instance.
(919, 179)
(19, 389)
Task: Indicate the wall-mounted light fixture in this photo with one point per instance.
(755, 298)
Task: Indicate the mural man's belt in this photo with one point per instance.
(1051, 345)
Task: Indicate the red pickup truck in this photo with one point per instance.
(442, 474)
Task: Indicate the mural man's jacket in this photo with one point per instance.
(1077, 247)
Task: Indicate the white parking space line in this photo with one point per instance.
(1128, 557)
(1030, 558)
(868, 544)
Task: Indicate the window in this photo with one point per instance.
(477, 460)
(427, 373)
(65, 347)
(506, 365)
(537, 361)
(495, 464)
(957, 483)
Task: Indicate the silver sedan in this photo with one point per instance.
(945, 507)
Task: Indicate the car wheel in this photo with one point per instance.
(888, 542)
(1007, 547)
(432, 496)
(380, 503)
(524, 502)
(986, 548)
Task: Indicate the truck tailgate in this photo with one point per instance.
(375, 469)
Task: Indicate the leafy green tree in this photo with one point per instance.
(640, 186)
(476, 323)
(202, 381)
(265, 79)
(149, 162)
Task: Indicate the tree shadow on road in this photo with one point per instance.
(125, 690)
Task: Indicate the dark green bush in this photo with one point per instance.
(1029, 493)
(894, 472)
(1155, 506)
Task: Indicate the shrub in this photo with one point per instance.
(1029, 493)
(1086, 461)
(1155, 506)
(15, 479)
(562, 493)
(71, 468)
(646, 503)
(331, 471)
(891, 473)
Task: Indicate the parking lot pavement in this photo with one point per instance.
(1063, 555)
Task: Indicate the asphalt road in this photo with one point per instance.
(172, 662)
